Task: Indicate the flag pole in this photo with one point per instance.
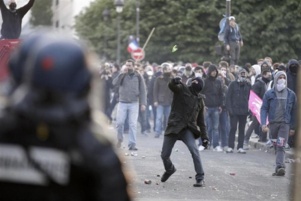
(150, 35)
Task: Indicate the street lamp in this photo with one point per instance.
(119, 7)
(105, 15)
(137, 20)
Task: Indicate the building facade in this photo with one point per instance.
(64, 12)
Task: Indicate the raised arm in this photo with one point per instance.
(175, 84)
(117, 80)
(2, 5)
(23, 10)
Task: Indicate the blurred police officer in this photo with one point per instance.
(51, 146)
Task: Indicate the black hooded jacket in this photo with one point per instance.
(237, 98)
(292, 76)
(260, 87)
(187, 111)
(213, 89)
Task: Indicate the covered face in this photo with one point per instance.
(242, 75)
(280, 80)
(197, 84)
(12, 5)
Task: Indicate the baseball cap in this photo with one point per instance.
(232, 18)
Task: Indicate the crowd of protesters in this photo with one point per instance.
(226, 89)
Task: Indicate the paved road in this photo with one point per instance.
(227, 176)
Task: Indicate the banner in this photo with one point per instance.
(255, 104)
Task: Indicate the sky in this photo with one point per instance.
(80, 4)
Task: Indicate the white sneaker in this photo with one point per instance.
(287, 147)
(218, 149)
(229, 150)
(201, 148)
(241, 151)
(269, 144)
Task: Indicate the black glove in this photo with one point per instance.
(177, 80)
(205, 142)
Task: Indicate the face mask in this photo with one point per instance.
(242, 79)
(267, 79)
(12, 6)
(187, 73)
(281, 84)
(198, 75)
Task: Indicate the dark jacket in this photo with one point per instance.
(187, 111)
(12, 21)
(114, 75)
(150, 88)
(237, 98)
(106, 91)
(161, 93)
(213, 89)
(232, 34)
(225, 91)
(260, 87)
(291, 76)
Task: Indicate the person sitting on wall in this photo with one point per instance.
(12, 18)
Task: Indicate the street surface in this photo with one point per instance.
(227, 176)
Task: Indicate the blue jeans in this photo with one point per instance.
(224, 127)
(279, 135)
(162, 113)
(132, 109)
(187, 137)
(212, 120)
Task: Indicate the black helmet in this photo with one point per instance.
(59, 65)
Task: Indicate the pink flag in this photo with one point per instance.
(255, 104)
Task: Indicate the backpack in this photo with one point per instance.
(222, 26)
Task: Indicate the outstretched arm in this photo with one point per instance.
(23, 10)
(2, 5)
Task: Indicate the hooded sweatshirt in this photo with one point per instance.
(213, 89)
(292, 76)
(281, 97)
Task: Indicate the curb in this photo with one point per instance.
(263, 147)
